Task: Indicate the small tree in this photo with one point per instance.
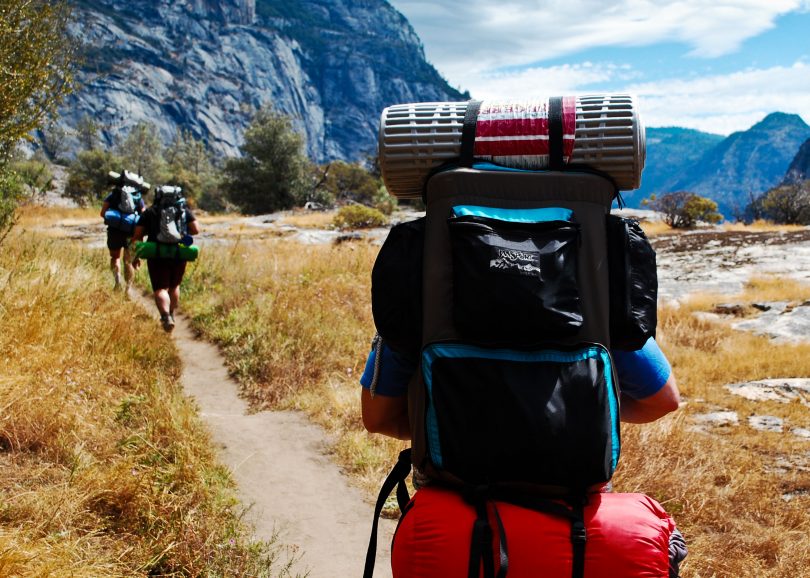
(682, 210)
(141, 151)
(87, 175)
(189, 164)
(788, 204)
(87, 130)
(271, 174)
(35, 174)
(37, 61)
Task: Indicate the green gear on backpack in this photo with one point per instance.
(152, 250)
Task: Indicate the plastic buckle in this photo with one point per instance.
(578, 533)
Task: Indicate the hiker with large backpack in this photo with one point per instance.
(516, 326)
(168, 225)
(121, 210)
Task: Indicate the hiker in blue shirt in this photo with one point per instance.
(647, 384)
(118, 239)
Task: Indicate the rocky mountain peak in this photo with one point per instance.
(799, 169)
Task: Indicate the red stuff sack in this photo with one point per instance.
(628, 536)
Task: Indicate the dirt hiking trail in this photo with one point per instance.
(279, 462)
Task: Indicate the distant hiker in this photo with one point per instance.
(121, 210)
(168, 225)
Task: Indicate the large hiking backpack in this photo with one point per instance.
(128, 199)
(171, 214)
(516, 397)
(123, 216)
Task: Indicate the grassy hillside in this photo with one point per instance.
(105, 470)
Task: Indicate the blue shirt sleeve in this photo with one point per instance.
(396, 371)
(644, 372)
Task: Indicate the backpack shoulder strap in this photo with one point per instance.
(395, 478)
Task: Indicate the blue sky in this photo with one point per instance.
(719, 66)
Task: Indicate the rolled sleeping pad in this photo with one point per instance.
(152, 250)
(627, 535)
(600, 132)
(121, 221)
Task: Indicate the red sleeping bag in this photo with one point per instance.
(627, 537)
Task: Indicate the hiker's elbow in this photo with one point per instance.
(664, 401)
(385, 415)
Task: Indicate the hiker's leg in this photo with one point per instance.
(129, 270)
(160, 277)
(178, 270)
(174, 295)
(163, 301)
(115, 266)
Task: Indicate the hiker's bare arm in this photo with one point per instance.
(138, 234)
(104, 206)
(653, 407)
(193, 229)
(386, 415)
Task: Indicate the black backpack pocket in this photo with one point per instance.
(514, 274)
(396, 288)
(547, 417)
(633, 284)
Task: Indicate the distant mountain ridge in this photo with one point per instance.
(799, 169)
(729, 170)
(206, 65)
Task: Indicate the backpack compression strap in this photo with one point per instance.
(395, 478)
(468, 133)
(481, 540)
(555, 133)
(574, 514)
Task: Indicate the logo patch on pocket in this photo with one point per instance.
(516, 262)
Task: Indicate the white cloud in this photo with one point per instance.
(724, 104)
(465, 39)
(552, 80)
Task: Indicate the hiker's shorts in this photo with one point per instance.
(165, 273)
(117, 239)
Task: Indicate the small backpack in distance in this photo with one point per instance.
(171, 214)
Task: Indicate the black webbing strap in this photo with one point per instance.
(573, 513)
(579, 538)
(555, 134)
(468, 133)
(395, 478)
(481, 539)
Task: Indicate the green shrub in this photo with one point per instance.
(683, 210)
(358, 217)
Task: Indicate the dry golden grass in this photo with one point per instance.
(759, 225)
(309, 219)
(653, 228)
(294, 322)
(38, 216)
(105, 469)
(295, 325)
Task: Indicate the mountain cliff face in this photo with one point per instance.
(206, 65)
(730, 170)
(746, 164)
(799, 169)
(671, 152)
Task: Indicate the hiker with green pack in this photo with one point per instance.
(168, 226)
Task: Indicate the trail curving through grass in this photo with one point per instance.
(280, 463)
